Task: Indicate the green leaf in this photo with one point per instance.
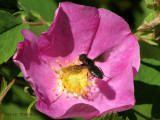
(7, 21)
(8, 41)
(30, 106)
(148, 1)
(20, 74)
(26, 90)
(26, 11)
(139, 17)
(5, 89)
(152, 4)
(152, 43)
(149, 73)
(9, 70)
(15, 106)
(112, 116)
(3, 86)
(148, 51)
(149, 23)
(151, 61)
(147, 83)
(150, 17)
(45, 8)
(147, 90)
(128, 114)
(38, 29)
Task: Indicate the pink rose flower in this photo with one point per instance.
(63, 86)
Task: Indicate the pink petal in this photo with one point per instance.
(114, 32)
(67, 107)
(35, 71)
(70, 34)
(120, 57)
(117, 53)
(111, 96)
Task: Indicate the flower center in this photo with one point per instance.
(74, 79)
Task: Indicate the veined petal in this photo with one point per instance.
(110, 96)
(113, 33)
(67, 107)
(35, 71)
(70, 34)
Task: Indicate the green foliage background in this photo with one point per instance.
(15, 103)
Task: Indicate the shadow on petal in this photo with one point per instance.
(58, 41)
(134, 71)
(106, 89)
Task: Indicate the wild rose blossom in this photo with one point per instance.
(63, 86)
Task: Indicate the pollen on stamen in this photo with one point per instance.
(58, 71)
(90, 83)
(66, 61)
(77, 58)
(59, 77)
(74, 79)
(57, 61)
(73, 63)
(58, 83)
(84, 92)
(96, 82)
(69, 64)
(53, 89)
(53, 68)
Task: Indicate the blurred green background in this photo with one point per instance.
(147, 82)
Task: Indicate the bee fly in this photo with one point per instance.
(93, 69)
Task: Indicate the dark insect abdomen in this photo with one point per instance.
(89, 63)
(95, 71)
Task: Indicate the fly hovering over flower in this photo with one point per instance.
(93, 69)
(52, 66)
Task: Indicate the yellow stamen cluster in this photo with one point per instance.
(74, 78)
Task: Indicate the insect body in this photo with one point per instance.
(94, 70)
